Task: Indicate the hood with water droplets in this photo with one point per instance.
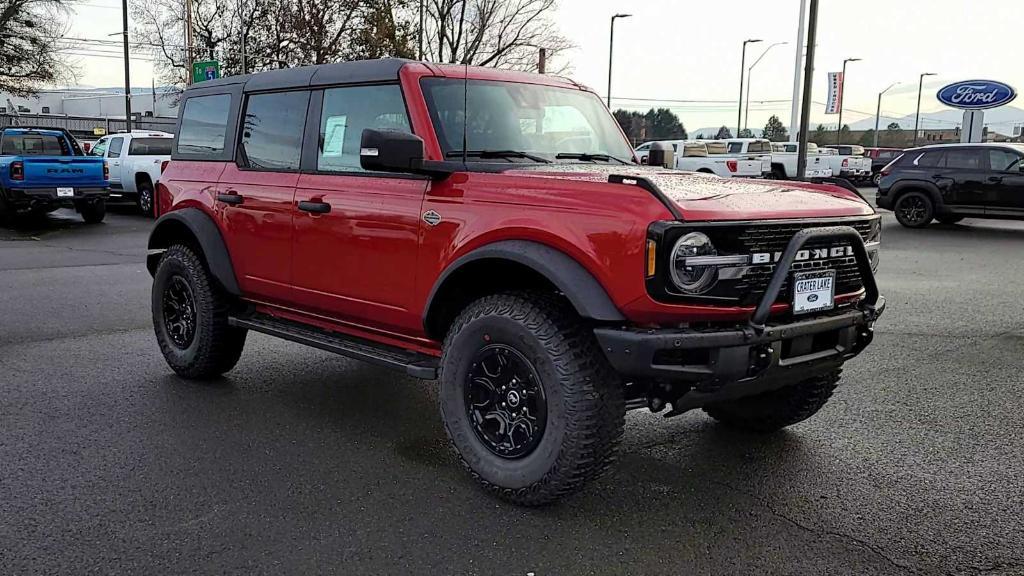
(707, 197)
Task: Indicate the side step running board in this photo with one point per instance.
(412, 363)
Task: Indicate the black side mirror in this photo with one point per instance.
(390, 151)
(661, 155)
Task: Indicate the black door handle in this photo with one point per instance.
(995, 179)
(315, 207)
(233, 199)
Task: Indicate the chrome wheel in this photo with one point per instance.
(146, 201)
(505, 401)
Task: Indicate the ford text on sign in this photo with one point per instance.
(976, 94)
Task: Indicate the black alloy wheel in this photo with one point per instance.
(914, 210)
(179, 308)
(505, 401)
(145, 199)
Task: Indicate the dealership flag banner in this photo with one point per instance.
(835, 93)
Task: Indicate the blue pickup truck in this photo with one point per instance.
(42, 169)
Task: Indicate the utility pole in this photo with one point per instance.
(842, 96)
(127, 73)
(878, 111)
(241, 26)
(188, 42)
(805, 111)
(542, 63)
(917, 115)
(739, 105)
(611, 51)
(795, 109)
(420, 52)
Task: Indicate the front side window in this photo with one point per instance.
(790, 147)
(115, 147)
(349, 111)
(514, 122)
(272, 130)
(204, 125)
(100, 148)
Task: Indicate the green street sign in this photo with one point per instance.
(205, 70)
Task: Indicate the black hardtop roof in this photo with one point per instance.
(355, 72)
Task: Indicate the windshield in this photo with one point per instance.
(537, 123)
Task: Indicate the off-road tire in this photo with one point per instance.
(216, 346)
(776, 409)
(778, 172)
(145, 199)
(585, 405)
(918, 201)
(93, 212)
(949, 219)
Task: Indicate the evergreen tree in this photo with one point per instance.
(775, 131)
(723, 133)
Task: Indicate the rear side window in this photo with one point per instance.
(929, 159)
(1003, 160)
(150, 147)
(963, 159)
(204, 125)
(735, 147)
(33, 145)
(761, 146)
(349, 111)
(272, 130)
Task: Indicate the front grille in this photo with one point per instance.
(775, 238)
(771, 238)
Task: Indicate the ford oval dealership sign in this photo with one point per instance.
(976, 94)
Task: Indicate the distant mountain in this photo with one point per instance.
(999, 119)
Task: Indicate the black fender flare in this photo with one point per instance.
(583, 291)
(925, 186)
(205, 233)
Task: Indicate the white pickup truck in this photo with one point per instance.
(784, 161)
(848, 162)
(694, 156)
(747, 148)
(136, 160)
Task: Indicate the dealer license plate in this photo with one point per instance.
(814, 291)
(65, 192)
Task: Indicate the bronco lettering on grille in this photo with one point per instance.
(810, 254)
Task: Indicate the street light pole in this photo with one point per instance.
(611, 48)
(917, 115)
(746, 111)
(805, 101)
(127, 78)
(842, 96)
(878, 111)
(739, 105)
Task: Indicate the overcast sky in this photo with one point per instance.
(690, 50)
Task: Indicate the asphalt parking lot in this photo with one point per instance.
(299, 461)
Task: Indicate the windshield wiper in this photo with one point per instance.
(497, 154)
(587, 157)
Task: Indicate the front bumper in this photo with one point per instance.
(725, 363)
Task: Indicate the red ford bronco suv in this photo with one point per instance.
(493, 230)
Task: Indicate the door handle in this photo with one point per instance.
(315, 207)
(233, 199)
(996, 179)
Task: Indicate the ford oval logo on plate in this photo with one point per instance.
(976, 94)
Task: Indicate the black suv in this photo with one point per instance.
(950, 182)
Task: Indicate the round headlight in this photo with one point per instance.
(690, 278)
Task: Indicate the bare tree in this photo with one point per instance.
(30, 44)
(498, 33)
